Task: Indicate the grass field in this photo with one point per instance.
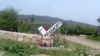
(14, 48)
(95, 38)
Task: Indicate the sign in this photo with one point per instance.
(42, 30)
(53, 29)
(45, 33)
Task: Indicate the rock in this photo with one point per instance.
(82, 35)
(20, 39)
(2, 53)
(61, 46)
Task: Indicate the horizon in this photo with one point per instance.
(86, 11)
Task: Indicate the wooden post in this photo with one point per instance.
(41, 41)
(48, 41)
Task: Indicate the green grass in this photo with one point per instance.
(11, 54)
(96, 38)
(14, 48)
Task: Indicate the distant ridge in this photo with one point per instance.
(51, 20)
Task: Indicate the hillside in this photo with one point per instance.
(51, 20)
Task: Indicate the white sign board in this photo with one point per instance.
(42, 30)
(53, 29)
(45, 33)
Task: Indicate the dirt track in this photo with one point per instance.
(83, 41)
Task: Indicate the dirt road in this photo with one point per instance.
(83, 41)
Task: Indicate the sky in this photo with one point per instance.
(86, 11)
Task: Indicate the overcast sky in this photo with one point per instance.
(86, 11)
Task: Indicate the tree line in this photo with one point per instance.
(78, 30)
(10, 21)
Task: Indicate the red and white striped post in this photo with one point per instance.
(49, 39)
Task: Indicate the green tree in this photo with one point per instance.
(90, 31)
(32, 19)
(79, 30)
(68, 29)
(98, 20)
(25, 27)
(9, 19)
(98, 29)
(29, 27)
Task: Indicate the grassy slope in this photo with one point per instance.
(14, 48)
(96, 38)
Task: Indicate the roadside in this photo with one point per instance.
(2, 53)
(83, 41)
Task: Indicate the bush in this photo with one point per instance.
(96, 38)
(22, 49)
(9, 19)
(78, 30)
(14, 48)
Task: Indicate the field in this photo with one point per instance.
(95, 38)
(14, 48)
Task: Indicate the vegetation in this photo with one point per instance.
(96, 38)
(77, 30)
(98, 29)
(14, 48)
(9, 19)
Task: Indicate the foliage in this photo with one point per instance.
(56, 43)
(14, 48)
(77, 30)
(98, 20)
(11, 54)
(28, 27)
(25, 27)
(96, 38)
(8, 19)
(97, 55)
(20, 49)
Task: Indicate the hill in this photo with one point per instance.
(51, 20)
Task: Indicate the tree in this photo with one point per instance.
(32, 20)
(25, 27)
(9, 19)
(79, 29)
(98, 20)
(98, 29)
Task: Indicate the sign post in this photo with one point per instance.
(46, 34)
